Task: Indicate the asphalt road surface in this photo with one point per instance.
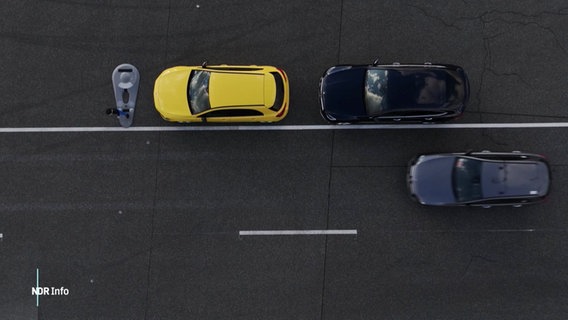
(146, 224)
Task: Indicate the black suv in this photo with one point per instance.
(393, 93)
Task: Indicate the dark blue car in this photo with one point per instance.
(479, 179)
(393, 93)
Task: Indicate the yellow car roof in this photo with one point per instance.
(227, 89)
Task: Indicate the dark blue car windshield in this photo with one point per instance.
(467, 179)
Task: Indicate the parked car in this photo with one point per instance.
(393, 93)
(222, 93)
(479, 179)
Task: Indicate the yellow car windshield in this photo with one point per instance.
(198, 91)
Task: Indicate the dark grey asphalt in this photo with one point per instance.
(144, 225)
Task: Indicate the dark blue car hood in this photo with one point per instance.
(431, 180)
(342, 93)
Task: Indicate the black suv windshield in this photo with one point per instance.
(376, 91)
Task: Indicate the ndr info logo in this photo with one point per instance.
(47, 291)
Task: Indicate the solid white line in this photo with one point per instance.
(295, 232)
(288, 127)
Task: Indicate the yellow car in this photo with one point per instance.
(222, 93)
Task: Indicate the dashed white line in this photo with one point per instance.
(295, 232)
(477, 230)
(287, 127)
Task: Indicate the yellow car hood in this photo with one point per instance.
(170, 92)
(241, 89)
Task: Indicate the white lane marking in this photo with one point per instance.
(496, 230)
(295, 232)
(478, 230)
(510, 230)
(289, 127)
